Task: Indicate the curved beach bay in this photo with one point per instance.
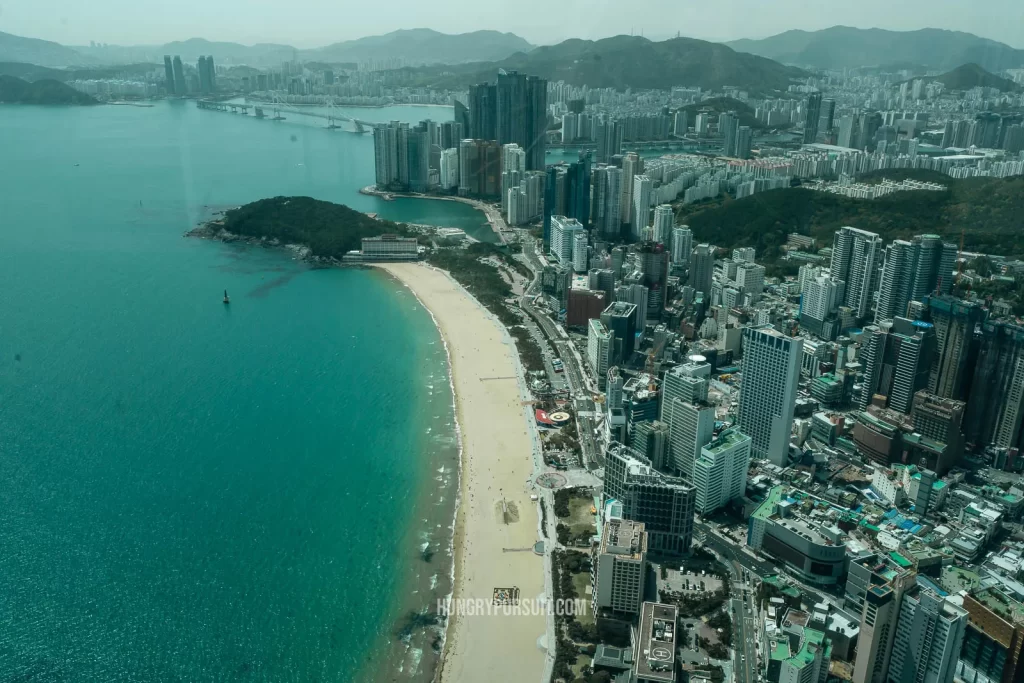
(194, 491)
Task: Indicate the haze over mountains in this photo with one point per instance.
(619, 62)
(842, 47)
(415, 46)
(634, 61)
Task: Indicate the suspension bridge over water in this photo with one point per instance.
(276, 109)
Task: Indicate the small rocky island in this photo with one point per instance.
(323, 230)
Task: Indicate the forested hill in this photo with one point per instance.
(14, 90)
(990, 211)
(327, 229)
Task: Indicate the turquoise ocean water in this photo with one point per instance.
(198, 492)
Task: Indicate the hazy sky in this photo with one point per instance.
(313, 23)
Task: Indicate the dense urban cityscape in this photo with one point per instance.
(785, 454)
(849, 416)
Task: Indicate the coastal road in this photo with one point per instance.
(575, 371)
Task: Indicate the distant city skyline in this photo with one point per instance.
(239, 21)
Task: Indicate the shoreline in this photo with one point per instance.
(494, 217)
(495, 520)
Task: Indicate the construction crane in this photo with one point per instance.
(649, 365)
(960, 257)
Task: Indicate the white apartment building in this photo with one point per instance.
(720, 474)
(771, 373)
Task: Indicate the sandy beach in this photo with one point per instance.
(496, 525)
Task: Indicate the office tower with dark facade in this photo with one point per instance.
(652, 262)
(995, 412)
(870, 122)
(567, 192)
(520, 114)
(744, 142)
(912, 270)
(608, 135)
(702, 268)
(169, 76)
(827, 117)
(664, 504)
(207, 76)
(402, 156)
(483, 111)
(461, 117)
(479, 168)
(813, 107)
(632, 166)
(729, 129)
(956, 348)
(180, 88)
(940, 419)
(204, 76)
(605, 199)
(418, 149)
(452, 133)
(856, 255)
(993, 649)
(579, 189)
(897, 357)
(385, 154)
(620, 319)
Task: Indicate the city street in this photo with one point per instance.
(575, 373)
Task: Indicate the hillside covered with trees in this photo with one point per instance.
(328, 229)
(14, 90)
(990, 211)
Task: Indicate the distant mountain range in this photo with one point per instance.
(14, 90)
(842, 47)
(415, 46)
(34, 51)
(424, 46)
(633, 61)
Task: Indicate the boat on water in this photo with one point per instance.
(227, 299)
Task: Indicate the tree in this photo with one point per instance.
(981, 265)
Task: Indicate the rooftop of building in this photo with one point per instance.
(812, 641)
(780, 649)
(900, 560)
(620, 308)
(624, 538)
(999, 602)
(727, 439)
(955, 579)
(876, 423)
(924, 442)
(656, 654)
(613, 657)
(804, 530)
(785, 588)
(767, 508)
